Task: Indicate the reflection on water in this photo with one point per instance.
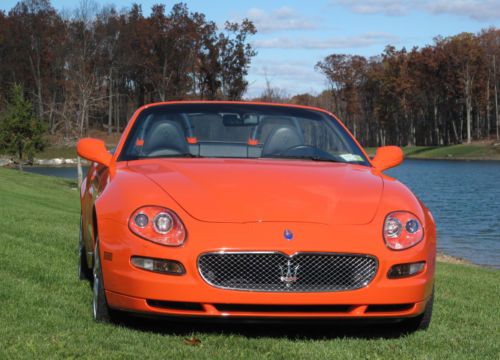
(464, 198)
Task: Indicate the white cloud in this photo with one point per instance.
(481, 10)
(388, 7)
(359, 41)
(293, 77)
(478, 10)
(284, 18)
(288, 70)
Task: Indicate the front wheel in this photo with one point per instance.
(84, 273)
(422, 321)
(100, 308)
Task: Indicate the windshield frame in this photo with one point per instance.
(182, 107)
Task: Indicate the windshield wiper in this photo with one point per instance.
(304, 157)
(182, 155)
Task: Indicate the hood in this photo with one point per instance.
(254, 190)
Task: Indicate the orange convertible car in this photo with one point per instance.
(251, 210)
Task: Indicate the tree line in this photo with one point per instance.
(93, 68)
(441, 94)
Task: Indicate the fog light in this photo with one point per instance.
(405, 270)
(162, 266)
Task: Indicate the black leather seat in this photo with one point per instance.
(165, 137)
(280, 139)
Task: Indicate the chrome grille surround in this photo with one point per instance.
(273, 271)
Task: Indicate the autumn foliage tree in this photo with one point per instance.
(444, 93)
(94, 67)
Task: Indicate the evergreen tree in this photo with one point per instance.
(21, 134)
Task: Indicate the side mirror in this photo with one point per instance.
(387, 157)
(94, 150)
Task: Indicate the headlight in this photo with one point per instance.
(159, 225)
(402, 230)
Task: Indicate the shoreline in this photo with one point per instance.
(70, 162)
(477, 151)
(489, 150)
(450, 158)
(451, 259)
(49, 163)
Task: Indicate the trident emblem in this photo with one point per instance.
(289, 273)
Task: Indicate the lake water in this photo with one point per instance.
(464, 198)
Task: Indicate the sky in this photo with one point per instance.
(294, 35)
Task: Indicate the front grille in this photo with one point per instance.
(277, 272)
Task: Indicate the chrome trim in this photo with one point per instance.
(374, 258)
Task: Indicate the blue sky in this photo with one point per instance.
(295, 34)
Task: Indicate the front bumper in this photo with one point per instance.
(172, 308)
(136, 290)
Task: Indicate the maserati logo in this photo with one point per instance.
(288, 235)
(289, 273)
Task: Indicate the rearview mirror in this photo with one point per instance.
(250, 119)
(232, 120)
(94, 150)
(387, 157)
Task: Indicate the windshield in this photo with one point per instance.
(227, 130)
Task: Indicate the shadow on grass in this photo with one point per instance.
(420, 150)
(72, 184)
(288, 328)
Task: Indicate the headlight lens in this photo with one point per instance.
(163, 222)
(159, 225)
(402, 230)
(141, 220)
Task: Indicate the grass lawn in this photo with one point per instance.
(477, 151)
(52, 152)
(462, 151)
(45, 311)
(58, 148)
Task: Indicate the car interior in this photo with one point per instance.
(235, 135)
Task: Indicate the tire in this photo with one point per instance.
(422, 321)
(84, 273)
(100, 309)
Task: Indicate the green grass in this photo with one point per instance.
(458, 152)
(463, 151)
(52, 152)
(407, 150)
(45, 312)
